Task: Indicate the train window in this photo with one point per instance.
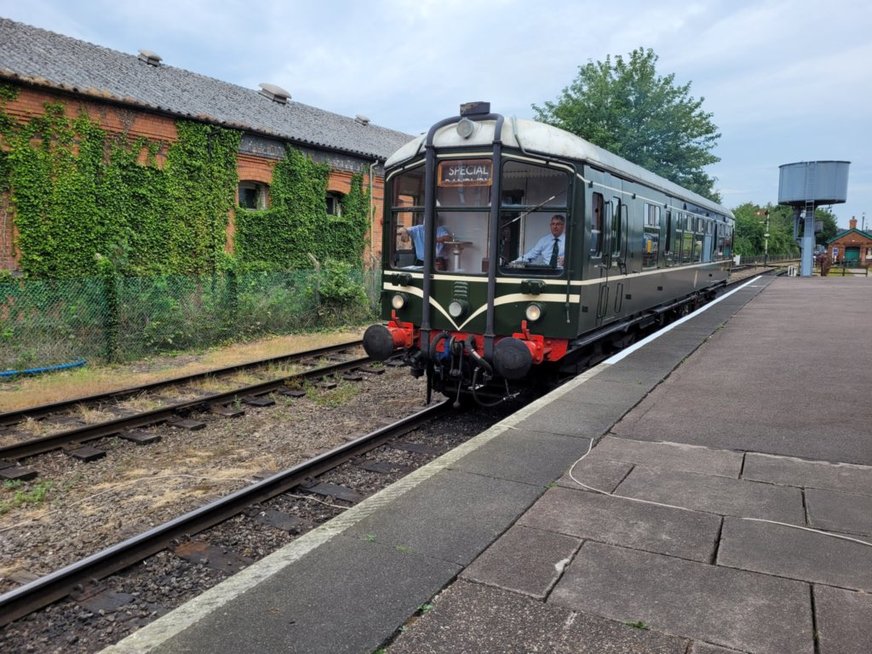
(651, 236)
(531, 195)
(596, 225)
(667, 238)
(408, 188)
(616, 232)
(728, 242)
(698, 242)
(407, 193)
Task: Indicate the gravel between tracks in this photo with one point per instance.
(89, 506)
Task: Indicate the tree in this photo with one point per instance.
(625, 107)
(749, 239)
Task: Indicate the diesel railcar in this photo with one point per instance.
(468, 307)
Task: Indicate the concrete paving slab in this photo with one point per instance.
(721, 606)
(714, 494)
(795, 553)
(524, 560)
(669, 456)
(600, 391)
(844, 621)
(322, 603)
(611, 519)
(845, 477)
(524, 456)
(465, 514)
(601, 474)
(843, 512)
(645, 379)
(588, 420)
(475, 618)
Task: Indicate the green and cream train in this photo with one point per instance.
(475, 303)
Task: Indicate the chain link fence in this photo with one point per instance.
(49, 323)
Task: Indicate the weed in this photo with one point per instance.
(336, 397)
(638, 624)
(20, 496)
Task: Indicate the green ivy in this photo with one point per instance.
(80, 193)
(297, 224)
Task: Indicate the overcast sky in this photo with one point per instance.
(786, 81)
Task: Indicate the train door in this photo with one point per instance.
(613, 268)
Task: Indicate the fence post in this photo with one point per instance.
(111, 319)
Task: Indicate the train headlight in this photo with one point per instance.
(534, 312)
(465, 128)
(398, 301)
(457, 309)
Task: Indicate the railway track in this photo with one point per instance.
(77, 577)
(75, 434)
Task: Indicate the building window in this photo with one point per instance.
(253, 195)
(334, 203)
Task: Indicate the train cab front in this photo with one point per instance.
(476, 258)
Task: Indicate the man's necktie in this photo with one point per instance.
(554, 250)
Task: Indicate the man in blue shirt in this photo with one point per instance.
(550, 248)
(416, 233)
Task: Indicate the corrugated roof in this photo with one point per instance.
(51, 60)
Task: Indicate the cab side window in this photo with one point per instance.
(596, 225)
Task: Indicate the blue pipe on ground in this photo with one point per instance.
(38, 371)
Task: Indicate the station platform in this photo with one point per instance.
(708, 491)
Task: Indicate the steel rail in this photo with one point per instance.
(56, 585)
(155, 416)
(12, 417)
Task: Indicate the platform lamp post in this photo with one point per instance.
(765, 237)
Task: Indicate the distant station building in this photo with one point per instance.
(142, 96)
(852, 246)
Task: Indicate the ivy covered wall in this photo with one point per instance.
(297, 224)
(80, 193)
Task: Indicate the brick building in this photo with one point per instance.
(142, 96)
(851, 246)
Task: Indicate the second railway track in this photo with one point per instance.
(82, 433)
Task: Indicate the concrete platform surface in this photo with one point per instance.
(706, 493)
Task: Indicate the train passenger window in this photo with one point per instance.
(651, 236)
(667, 238)
(596, 225)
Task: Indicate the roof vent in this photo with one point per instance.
(149, 57)
(274, 93)
(363, 120)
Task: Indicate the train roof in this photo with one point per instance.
(542, 139)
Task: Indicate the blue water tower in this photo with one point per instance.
(805, 186)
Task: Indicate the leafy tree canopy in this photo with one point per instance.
(625, 107)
